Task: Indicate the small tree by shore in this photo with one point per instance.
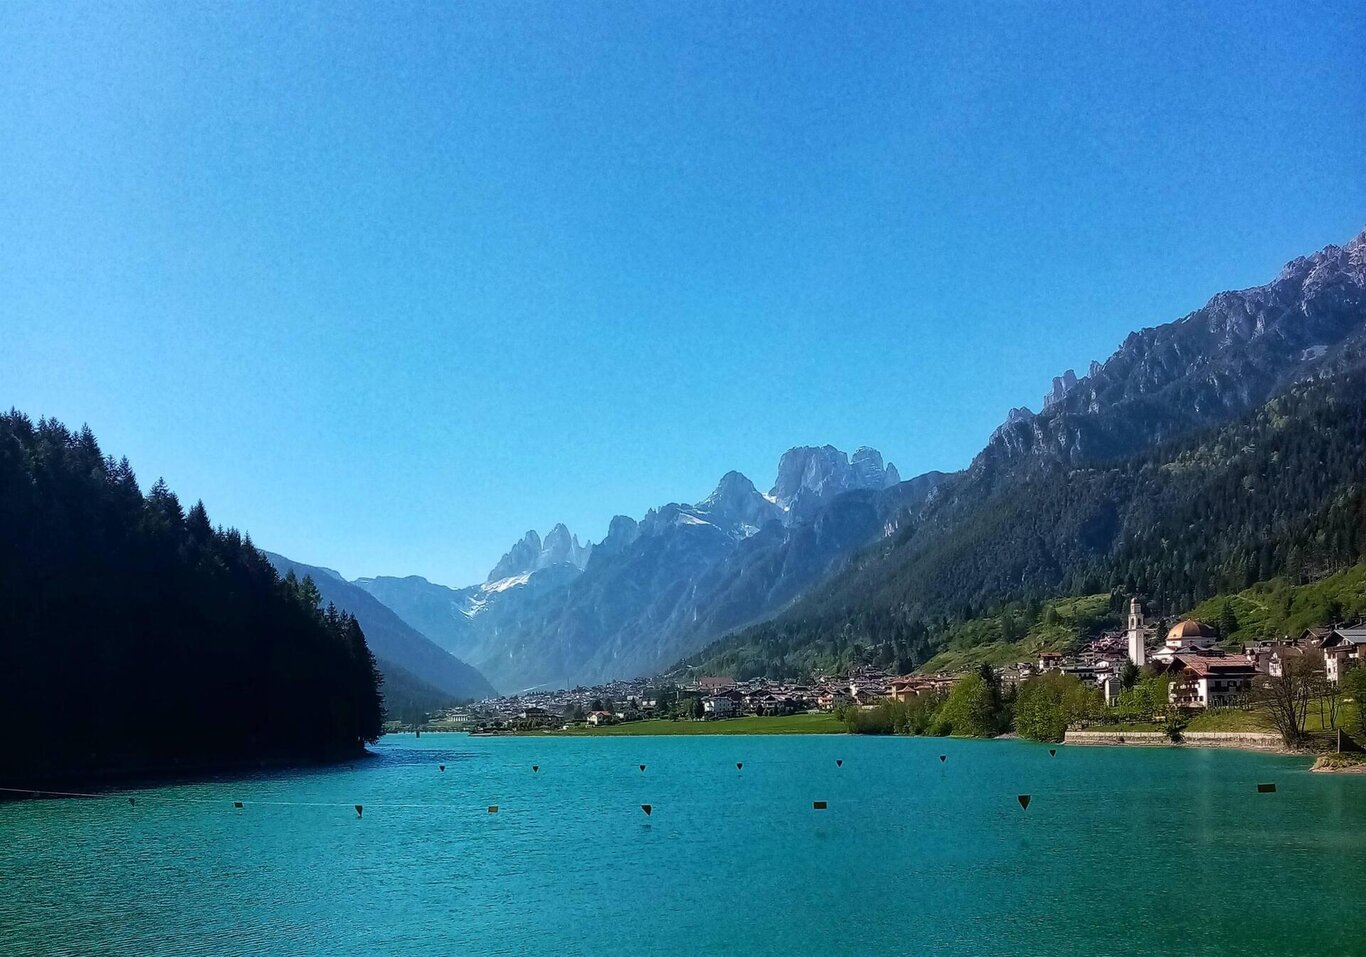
(1286, 697)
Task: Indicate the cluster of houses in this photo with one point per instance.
(1202, 676)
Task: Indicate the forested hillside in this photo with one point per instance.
(136, 636)
(1281, 491)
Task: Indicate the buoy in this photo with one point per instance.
(417, 734)
(441, 766)
(1266, 789)
(739, 765)
(535, 768)
(642, 767)
(1024, 801)
(818, 805)
(237, 804)
(943, 758)
(131, 802)
(648, 809)
(360, 808)
(1052, 752)
(839, 762)
(493, 809)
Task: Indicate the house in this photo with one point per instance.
(1111, 687)
(1276, 661)
(1207, 681)
(1260, 652)
(830, 700)
(718, 706)
(1049, 660)
(1343, 648)
(599, 718)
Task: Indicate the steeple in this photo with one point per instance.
(1138, 634)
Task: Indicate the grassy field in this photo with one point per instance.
(786, 724)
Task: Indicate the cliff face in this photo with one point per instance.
(1220, 361)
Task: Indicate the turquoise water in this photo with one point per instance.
(1122, 851)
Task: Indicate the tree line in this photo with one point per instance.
(134, 635)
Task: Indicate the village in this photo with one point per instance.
(1201, 675)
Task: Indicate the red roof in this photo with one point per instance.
(1204, 666)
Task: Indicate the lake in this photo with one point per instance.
(1121, 851)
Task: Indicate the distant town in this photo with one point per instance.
(1199, 675)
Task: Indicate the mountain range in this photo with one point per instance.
(1204, 454)
(554, 612)
(841, 553)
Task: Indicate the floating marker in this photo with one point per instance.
(131, 802)
(839, 762)
(441, 766)
(493, 809)
(417, 734)
(1024, 801)
(943, 758)
(1266, 789)
(535, 768)
(237, 804)
(818, 805)
(1052, 752)
(360, 808)
(648, 809)
(739, 765)
(642, 767)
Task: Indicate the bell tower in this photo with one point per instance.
(1138, 634)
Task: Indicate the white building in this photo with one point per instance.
(1139, 633)
(1343, 648)
(1200, 681)
(719, 706)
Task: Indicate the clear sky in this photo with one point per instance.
(388, 284)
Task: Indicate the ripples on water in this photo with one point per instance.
(1120, 852)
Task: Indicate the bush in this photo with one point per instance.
(1048, 703)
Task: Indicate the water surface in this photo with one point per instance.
(1122, 851)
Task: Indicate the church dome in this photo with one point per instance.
(1188, 629)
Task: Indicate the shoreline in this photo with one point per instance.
(96, 783)
(1260, 742)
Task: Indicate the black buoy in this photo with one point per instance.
(1024, 801)
(131, 802)
(417, 734)
(535, 768)
(1266, 789)
(943, 758)
(441, 766)
(649, 809)
(360, 810)
(237, 804)
(493, 809)
(1052, 752)
(739, 765)
(642, 767)
(839, 762)
(818, 805)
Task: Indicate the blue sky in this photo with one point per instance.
(388, 285)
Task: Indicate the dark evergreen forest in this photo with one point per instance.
(135, 636)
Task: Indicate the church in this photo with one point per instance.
(1202, 675)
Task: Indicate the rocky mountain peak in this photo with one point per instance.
(809, 476)
(531, 554)
(737, 505)
(1062, 384)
